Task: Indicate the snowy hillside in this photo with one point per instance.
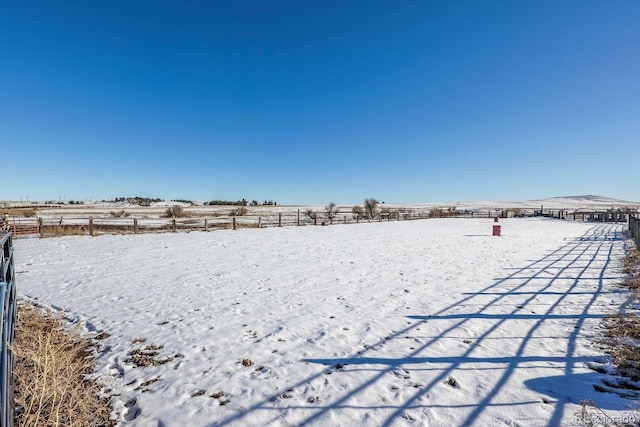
(588, 200)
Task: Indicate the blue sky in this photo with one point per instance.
(312, 102)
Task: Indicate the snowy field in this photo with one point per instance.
(426, 323)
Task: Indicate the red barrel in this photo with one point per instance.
(496, 230)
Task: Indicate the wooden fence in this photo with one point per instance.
(76, 225)
(7, 331)
(95, 226)
(634, 229)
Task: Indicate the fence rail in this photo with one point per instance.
(24, 226)
(83, 225)
(7, 332)
(94, 226)
(634, 229)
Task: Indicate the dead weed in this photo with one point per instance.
(52, 369)
(622, 330)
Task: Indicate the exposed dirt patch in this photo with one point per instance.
(147, 357)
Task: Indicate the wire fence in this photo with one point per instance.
(634, 229)
(9, 313)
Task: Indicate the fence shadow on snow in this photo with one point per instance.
(571, 279)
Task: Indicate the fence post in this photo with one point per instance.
(298, 217)
(206, 225)
(259, 222)
(280, 219)
(173, 225)
(634, 229)
(90, 226)
(234, 223)
(345, 219)
(135, 225)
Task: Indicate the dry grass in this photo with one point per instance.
(19, 212)
(66, 230)
(631, 268)
(83, 230)
(622, 336)
(622, 341)
(245, 225)
(221, 226)
(51, 374)
(592, 416)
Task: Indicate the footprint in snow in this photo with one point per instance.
(452, 382)
(132, 410)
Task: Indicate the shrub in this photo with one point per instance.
(241, 211)
(437, 213)
(370, 206)
(332, 210)
(120, 214)
(358, 211)
(175, 212)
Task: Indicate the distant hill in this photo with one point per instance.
(587, 200)
(584, 202)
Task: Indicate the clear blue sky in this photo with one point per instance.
(319, 101)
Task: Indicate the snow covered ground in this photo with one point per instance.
(432, 322)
